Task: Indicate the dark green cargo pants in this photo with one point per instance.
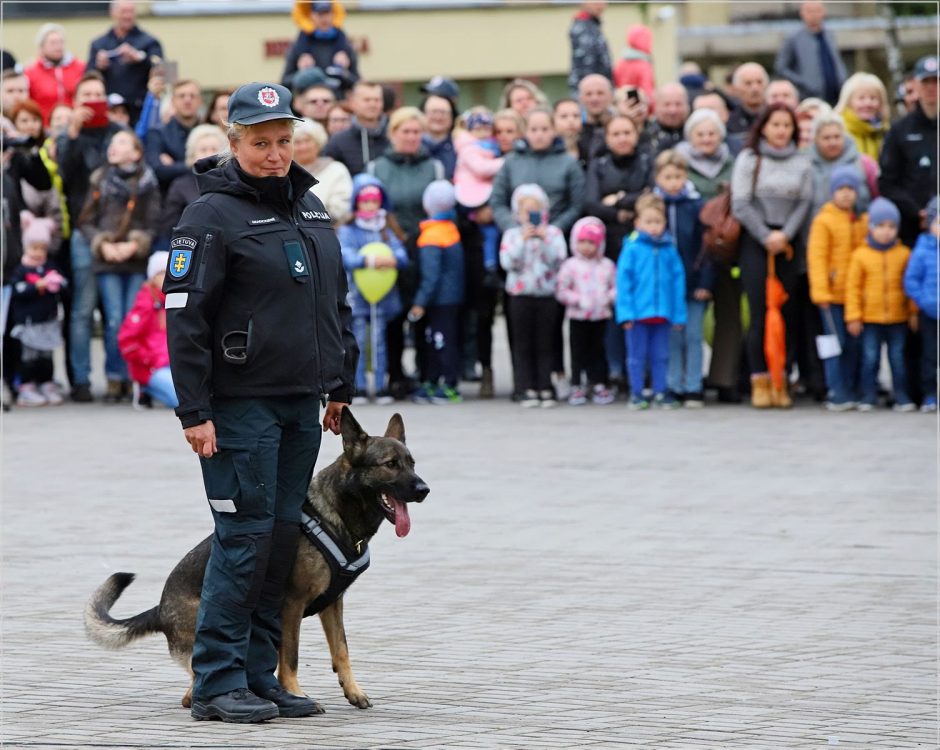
(256, 485)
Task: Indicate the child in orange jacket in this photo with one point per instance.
(833, 237)
(876, 307)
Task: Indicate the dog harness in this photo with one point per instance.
(344, 568)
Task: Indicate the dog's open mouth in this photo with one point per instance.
(397, 512)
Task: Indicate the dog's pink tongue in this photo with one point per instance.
(402, 520)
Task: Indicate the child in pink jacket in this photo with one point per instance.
(586, 286)
(478, 161)
(635, 67)
(142, 336)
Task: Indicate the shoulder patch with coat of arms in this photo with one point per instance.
(181, 257)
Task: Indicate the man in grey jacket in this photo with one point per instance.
(809, 57)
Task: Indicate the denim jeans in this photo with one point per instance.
(873, 336)
(118, 291)
(685, 351)
(370, 350)
(616, 350)
(648, 344)
(928, 355)
(161, 387)
(842, 371)
(84, 301)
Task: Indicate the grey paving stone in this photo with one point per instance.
(577, 578)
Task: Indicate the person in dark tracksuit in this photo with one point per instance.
(259, 335)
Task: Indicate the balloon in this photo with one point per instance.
(374, 283)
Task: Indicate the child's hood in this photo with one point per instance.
(576, 230)
(439, 233)
(363, 180)
(529, 191)
(639, 39)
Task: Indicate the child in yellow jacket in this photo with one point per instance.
(833, 237)
(876, 307)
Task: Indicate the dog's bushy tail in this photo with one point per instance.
(104, 629)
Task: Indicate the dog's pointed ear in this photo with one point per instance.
(396, 428)
(354, 437)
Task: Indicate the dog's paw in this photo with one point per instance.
(359, 699)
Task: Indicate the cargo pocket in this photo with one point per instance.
(231, 479)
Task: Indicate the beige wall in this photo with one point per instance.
(472, 44)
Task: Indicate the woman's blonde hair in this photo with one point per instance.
(236, 131)
(405, 114)
(510, 114)
(864, 81)
(521, 83)
(197, 134)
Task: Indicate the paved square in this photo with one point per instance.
(586, 577)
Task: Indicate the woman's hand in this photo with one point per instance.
(611, 200)
(776, 242)
(627, 326)
(332, 416)
(529, 231)
(702, 295)
(80, 115)
(201, 439)
(855, 327)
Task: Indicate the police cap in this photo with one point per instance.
(260, 102)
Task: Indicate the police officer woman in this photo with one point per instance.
(259, 335)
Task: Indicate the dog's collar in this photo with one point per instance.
(345, 566)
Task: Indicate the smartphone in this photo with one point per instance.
(99, 117)
(633, 96)
(535, 218)
(116, 52)
(171, 72)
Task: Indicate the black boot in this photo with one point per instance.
(237, 707)
(291, 706)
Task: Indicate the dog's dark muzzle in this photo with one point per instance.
(420, 491)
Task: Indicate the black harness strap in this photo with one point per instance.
(343, 568)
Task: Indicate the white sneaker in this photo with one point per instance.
(51, 391)
(904, 408)
(530, 400)
(29, 395)
(562, 385)
(547, 400)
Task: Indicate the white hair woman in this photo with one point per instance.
(203, 141)
(259, 331)
(334, 183)
(831, 148)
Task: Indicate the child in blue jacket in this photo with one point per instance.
(920, 284)
(370, 205)
(683, 204)
(650, 300)
(440, 294)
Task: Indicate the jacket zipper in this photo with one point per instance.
(313, 295)
(884, 281)
(200, 274)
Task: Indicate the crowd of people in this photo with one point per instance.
(592, 216)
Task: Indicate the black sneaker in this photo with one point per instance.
(237, 707)
(81, 393)
(291, 706)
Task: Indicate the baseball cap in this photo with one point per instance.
(321, 7)
(259, 102)
(927, 67)
(440, 86)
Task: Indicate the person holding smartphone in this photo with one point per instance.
(80, 150)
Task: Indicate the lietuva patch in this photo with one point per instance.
(181, 256)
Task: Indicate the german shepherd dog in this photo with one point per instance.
(373, 480)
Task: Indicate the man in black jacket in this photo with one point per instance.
(165, 150)
(366, 139)
(909, 154)
(259, 334)
(124, 55)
